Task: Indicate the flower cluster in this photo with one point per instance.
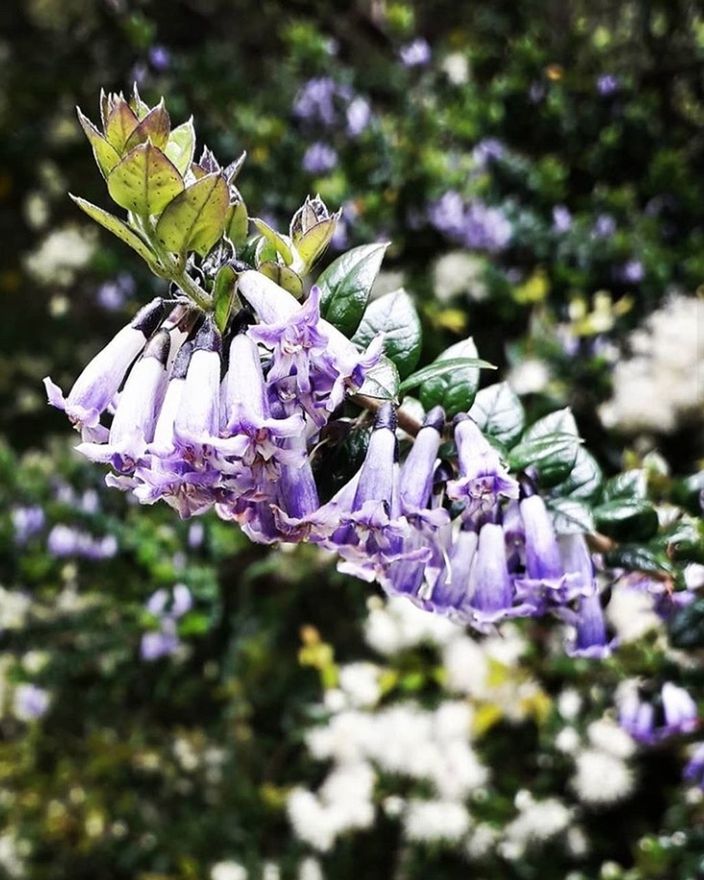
(203, 419)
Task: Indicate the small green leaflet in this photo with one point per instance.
(346, 284)
(499, 413)
(396, 317)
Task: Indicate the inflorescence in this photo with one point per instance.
(232, 421)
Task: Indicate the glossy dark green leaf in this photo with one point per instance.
(627, 520)
(585, 478)
(394, 315)
(382, 381)
(686, 627)
(145, 181)
(346, 283)
(559, 422)
(633, 557)
(118, 228)
(630, 484)
(451, 380)
(552, 455)
(195, 219)
(499, 413)
(571, 516)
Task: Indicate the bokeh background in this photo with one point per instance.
(178, 704)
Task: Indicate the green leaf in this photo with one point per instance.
(382, 381)
(634, 557)
(283, 276)
(277, 242)
(144, 181)
(106, 156)
(118, 228)
(237, 226)
(451, 380)
(155, 126)
(346, 283)
(686, 627)
(627, 520)
(224, 295)
(181, 146)
(396, 317)
(585, 479)
(630, 484)
(559, 422)
(571, 516)
(499, 413)
(121, 121)
(195, 219)
(311, 245)
(553, 456)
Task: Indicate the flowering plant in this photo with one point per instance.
(249, 388)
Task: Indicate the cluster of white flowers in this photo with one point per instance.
(459, 272)
(61, 254)
(602, 775)
(536, 823)
(663, 381)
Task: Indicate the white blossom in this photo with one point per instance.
(228, 871)
(459, 272)
(430, 821)
(601, 778)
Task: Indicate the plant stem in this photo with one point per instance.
(405, 421)
(174, 268)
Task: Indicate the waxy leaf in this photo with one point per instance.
(630, 484)
(283, 276)
(686, 627)
(553, 456)
(634, 557)
(224, 296)
(627, 520)
(381, 381)
(237, 225)
(585, 479)
(276, 241)
(451, 381)
(118, 228)
(346, 283)
(106, 156)
(181, 146)
(195, 219)
(559, 422)
(396, 317)
(121, 121)
(571, 516)
(155, 126)
(498, 412)
(145, 181)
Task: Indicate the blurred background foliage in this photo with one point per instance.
(537, 168)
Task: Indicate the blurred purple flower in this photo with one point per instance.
(694, 770)
(319, 158)
(561, 218)
(359, 115)
(159, 58)
(30, 702)
(315, 101)
(415, 54)
(604, 226)
(66, 541)
(607, 84)
(27, 521)
(488, 150)
(632, 272)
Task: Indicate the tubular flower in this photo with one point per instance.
(650, 723)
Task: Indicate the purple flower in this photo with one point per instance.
(607, 84)
(112, 295)
(415, 54)
(359, 115)
(590, 638)
(561, 218)
(604, 226)
(675, 714)
(167, 606)
(694, 770)
(483, 479)
(319, 158)
(315, 101)
(632, 272)
(66, 541)
(474, 225)
(99, 382)
(159, 58)
(447, 214)
(163, 643)
(27, 521)
(137, 409)
(30, 702)
(451, 588)
(488, 150)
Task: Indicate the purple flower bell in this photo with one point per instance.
(100, 380)
(137, 409)
(675, 714)
(451, 588)
(694, 770)
(483, 479)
